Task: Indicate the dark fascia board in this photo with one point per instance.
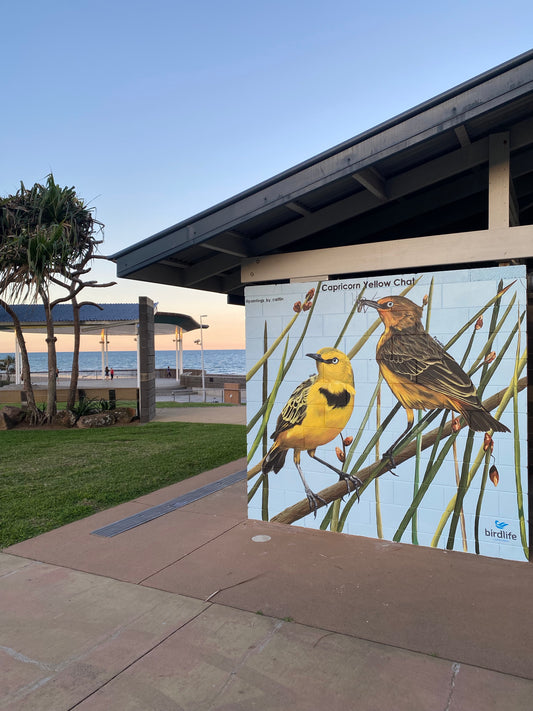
(187, 323)
(496, 87)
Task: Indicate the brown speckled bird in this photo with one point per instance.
(420, 373)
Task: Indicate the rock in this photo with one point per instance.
(5, 422)
(124, 415)
(99, 419)
(65, 418)
(10, 417)
(14, 413)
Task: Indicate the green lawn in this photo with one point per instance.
(51, 477)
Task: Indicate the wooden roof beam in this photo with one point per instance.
(372, 181)
(230, 242)
(299, 209)
(210, 268)
(462, 135)
(174, 263)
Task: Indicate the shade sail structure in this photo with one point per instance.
(119, 319)
(166, 322)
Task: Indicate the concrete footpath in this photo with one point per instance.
(201, 609)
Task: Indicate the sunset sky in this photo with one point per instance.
(157, 111)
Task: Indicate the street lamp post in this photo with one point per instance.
(178, 340)
(202, 354)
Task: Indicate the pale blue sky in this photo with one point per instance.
(157, 110)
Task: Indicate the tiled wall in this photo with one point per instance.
(494, 513)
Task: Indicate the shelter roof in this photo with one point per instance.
(121, 319)
(424, 172)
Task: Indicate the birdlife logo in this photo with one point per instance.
(501, 533)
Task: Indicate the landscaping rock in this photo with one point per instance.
(99, 419)
(14, 413)
(124, 415)
(10, 417)
(65, 418)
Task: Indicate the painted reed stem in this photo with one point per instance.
(265, 356)
(288, 364)
(270, 405)
(505, 397)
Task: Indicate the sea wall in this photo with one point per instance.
(193, 379)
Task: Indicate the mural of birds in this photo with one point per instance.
(420, 373)
(316, 412)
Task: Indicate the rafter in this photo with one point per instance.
(174, 263)
(372, 180)
(462, 135)
(230, 243)
(209, 267)
(299, 209)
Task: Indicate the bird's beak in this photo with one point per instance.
(315, 356)
(367, 302)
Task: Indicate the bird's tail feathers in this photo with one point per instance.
(480, 420)
(274, 460)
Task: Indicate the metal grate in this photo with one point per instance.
(125, 524)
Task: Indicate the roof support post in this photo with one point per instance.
(499, 180)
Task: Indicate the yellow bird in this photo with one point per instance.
(316, 412)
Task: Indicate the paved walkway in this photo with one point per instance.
(203, 610)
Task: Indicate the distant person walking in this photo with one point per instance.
(106, 372)
(112, 373)
(169, 374)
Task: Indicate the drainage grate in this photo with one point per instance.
(125, 524)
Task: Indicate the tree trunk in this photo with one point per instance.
(51, 408)
(73, 388)
(26, 374)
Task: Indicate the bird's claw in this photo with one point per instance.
(314, 500)
(351, 479)
(388, 459)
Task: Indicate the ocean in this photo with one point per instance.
(215, 361)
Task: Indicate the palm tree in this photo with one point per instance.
(44, 230)
(26, 375)
(71, 279)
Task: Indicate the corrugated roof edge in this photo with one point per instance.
(63, 312)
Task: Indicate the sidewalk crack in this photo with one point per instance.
(185, 555)
(455, 671)
(141, 656)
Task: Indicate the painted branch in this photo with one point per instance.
(338, 490)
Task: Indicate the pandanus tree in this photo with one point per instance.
(47, 238)
(73, 280)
